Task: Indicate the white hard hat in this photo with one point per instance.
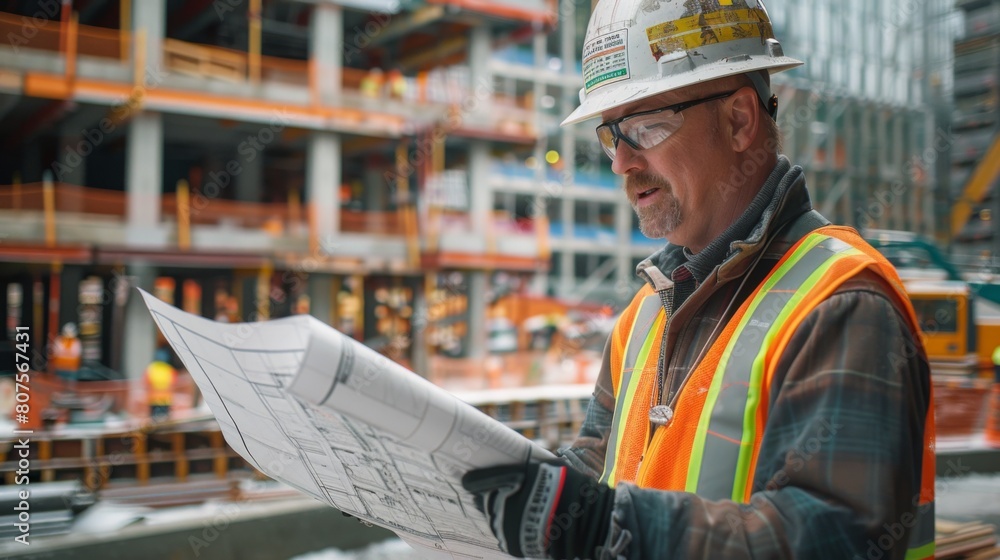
(636, 49)
(69, 330)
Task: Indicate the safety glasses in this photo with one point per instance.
(644, 130)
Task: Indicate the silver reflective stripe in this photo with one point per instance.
(644, 320)
(718, 469)
(922, 532)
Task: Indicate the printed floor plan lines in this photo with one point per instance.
(321, 412)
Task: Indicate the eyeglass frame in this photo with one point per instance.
(616, 133)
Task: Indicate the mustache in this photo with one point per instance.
(643, 181)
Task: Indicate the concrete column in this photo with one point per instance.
(899, 174)
(480, 206)
(567, 35)
(480, 193)
(540, 280)
(250, 182)
(623, 229)
(567, 277)
(144, 176)
(326, 47)
(539, 284)
(150, 15)
(477, 314)
(320, 288)
(323, 177)
(935, 192)
(480, 51)
(140, 331)
(854, 214)
(567, 143)
(418, 330)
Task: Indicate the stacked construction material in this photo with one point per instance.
(969, 541)
(44, 508)
(959, 404)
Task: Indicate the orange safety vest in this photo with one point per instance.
(66, 353)
(683, 456)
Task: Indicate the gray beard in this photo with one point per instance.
(658, 220)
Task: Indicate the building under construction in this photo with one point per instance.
(975, 126)
(395, 169)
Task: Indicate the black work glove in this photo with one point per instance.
(541, 510)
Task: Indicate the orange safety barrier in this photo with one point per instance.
(204, 61)
(352, 77)
(382, 223)
(42, 34)
(71, 198)
(101, 42)
(68, 198)
(30, 33)
(217, 210)
(273, 216)
(284, 70)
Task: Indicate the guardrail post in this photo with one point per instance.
(183, 215)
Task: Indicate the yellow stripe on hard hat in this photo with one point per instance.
(715, 27)
(711, 19)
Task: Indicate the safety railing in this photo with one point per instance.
(48, 35)
(68, 198)
(284, 70)
(274, 217)
(102, 42)
(441, 224)
(25, 32)
(204, 61)
(217, 211)
(379, 223)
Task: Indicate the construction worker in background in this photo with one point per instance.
(160, 378)
(996, 364)
(372, 83)
(396, 83)
(766, 393)
(66, 352)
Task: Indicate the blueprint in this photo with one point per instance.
(315, 409)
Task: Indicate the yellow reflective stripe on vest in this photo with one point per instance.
(727, 427)
(650, 318)
(922, 553)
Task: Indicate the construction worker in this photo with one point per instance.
(996, 364)
(766, 393)
(160, 378)
(66, 353)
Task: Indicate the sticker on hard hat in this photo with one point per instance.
(605, 60)
(705, 29)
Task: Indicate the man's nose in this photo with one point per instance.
(627, 160)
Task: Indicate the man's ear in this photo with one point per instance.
(744, 114)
